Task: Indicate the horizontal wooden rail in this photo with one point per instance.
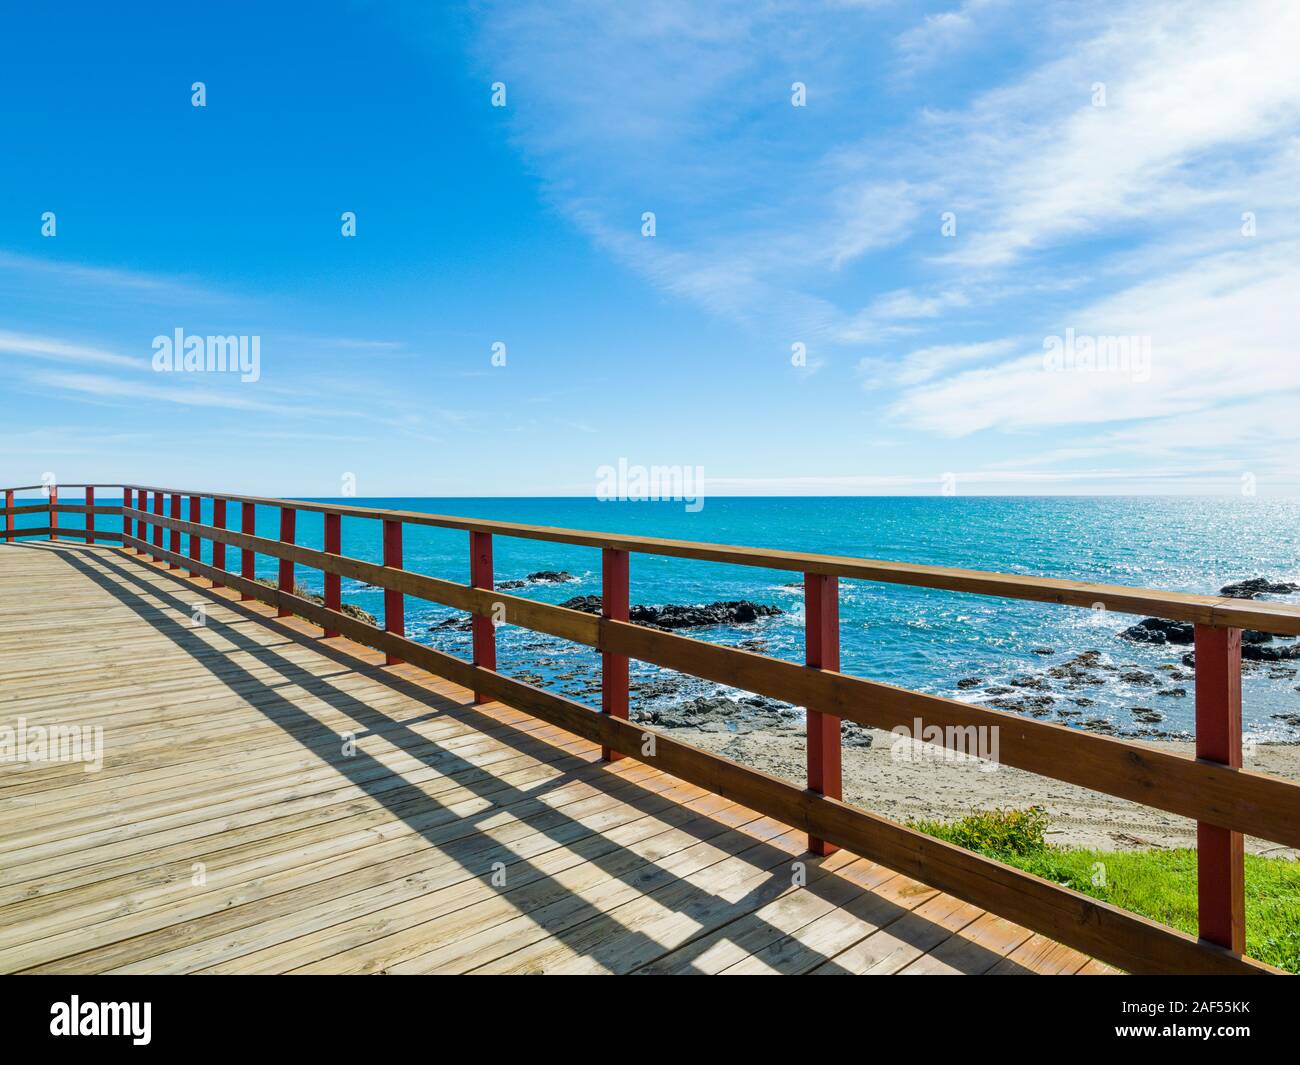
(81, 508)
(1254, 803)
(66, 533)
(1106, 932)
(41, 530)
(1217, 611)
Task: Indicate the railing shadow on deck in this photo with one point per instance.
(589, 930)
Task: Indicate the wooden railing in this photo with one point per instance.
(1213, 789)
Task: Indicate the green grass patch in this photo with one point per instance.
(1159, 884)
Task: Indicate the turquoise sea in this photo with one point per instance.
(915, 638)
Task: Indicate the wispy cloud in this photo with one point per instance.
(937, 36)
(86, 276)
(1219, 330)
(43, 347)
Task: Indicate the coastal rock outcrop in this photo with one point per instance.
(1249, 589)
(1160, 630)
(664, 618)
(545, 576)
(675, 616)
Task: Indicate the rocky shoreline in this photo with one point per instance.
(665, 618)
(1041, 696)
(1065, 690)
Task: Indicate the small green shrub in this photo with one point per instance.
(998, 833)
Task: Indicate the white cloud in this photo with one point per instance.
(923, 364)
(939, 35)
(1220, 330)
(1189, 88)
(41, 347)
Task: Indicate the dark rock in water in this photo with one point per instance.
(1043, 651)
(551, 576)
(1174, 693)
(998, 689)
(1081, 700)
(545, 576)
(1248, 589)
(1160, 630)
(1288, 719)
(1098, 724)
(1137, 676)
(1146, 715)
(1034, 705)
(1255, 652)
(967, 683)
(674, 616)
(1035, 683)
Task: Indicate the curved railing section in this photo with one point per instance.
(1213, 789)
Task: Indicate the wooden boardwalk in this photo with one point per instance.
(235, 827)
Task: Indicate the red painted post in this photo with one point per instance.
(90, 514)
(54, 514)
(126, 521)
(218, 548)
(288, 522)
(196, 516)
(333, 583)
(9, 518)
(157, 529)
(484, 634)
(615, 583)
(247, 557)
(1220, 855)
(175, 539)
(394, 602)
(821, 599)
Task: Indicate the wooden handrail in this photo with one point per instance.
(1225, 800)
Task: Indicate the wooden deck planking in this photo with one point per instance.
(223, 751)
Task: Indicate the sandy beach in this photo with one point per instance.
(931, 788)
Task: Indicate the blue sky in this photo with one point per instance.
(1113, 170)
